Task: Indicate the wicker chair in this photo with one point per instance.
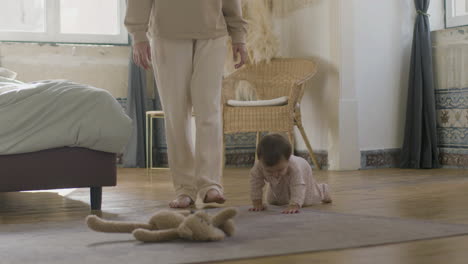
(280, 77)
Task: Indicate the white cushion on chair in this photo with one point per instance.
(273, 102)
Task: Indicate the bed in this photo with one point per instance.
(59, 134)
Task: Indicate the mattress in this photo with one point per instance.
(58, 113)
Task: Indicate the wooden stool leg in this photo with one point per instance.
(224, 152)
(257, 140)
(291, 140)
(309, 147)
(151, 143)
(147, 142)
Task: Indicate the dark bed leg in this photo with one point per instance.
(96, 198)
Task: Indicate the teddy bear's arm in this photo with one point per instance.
(97, 224)
(156, 236)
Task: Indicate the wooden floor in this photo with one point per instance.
(439, 195)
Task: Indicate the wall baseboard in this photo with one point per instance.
(370, 159)
(246, 158)
(454, 158)
(382, 158)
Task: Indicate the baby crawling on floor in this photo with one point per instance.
(289, 178)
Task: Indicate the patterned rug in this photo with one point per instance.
(259, 234)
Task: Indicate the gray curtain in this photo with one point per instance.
(138, 103)
(134, 153)
(420, 143)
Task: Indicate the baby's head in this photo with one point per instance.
(273, 152)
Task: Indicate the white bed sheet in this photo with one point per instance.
(58, 113)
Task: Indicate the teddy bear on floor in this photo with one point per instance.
(169, 225)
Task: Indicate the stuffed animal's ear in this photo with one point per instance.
(229, 228)
(185, 232)
(224, 215)
(97, 224)
(216, 234)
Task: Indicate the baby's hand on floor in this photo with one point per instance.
(257, 206)
(292, 209)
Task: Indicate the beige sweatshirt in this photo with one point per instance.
(185, 19)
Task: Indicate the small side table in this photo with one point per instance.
(150, 116)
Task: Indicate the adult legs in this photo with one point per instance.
(172, 64)
(208, 69)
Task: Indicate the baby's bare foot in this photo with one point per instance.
(326, 194)
(213, 196)
(182, 201)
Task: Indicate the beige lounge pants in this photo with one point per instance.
(189, 74)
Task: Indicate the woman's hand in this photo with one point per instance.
(257, 206)
(142, 54)
(239, 49)
(292, 209)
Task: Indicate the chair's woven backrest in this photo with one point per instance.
(275, 79)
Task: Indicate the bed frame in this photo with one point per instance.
(59, 168)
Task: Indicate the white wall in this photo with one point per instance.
(306, 33)
(100, 66)
(321, 31)
(382, 53)
(375, 67)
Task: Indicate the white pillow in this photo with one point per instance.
(4, 72)
(273, 102)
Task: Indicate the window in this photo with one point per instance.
(63, 21)
(456, 13)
